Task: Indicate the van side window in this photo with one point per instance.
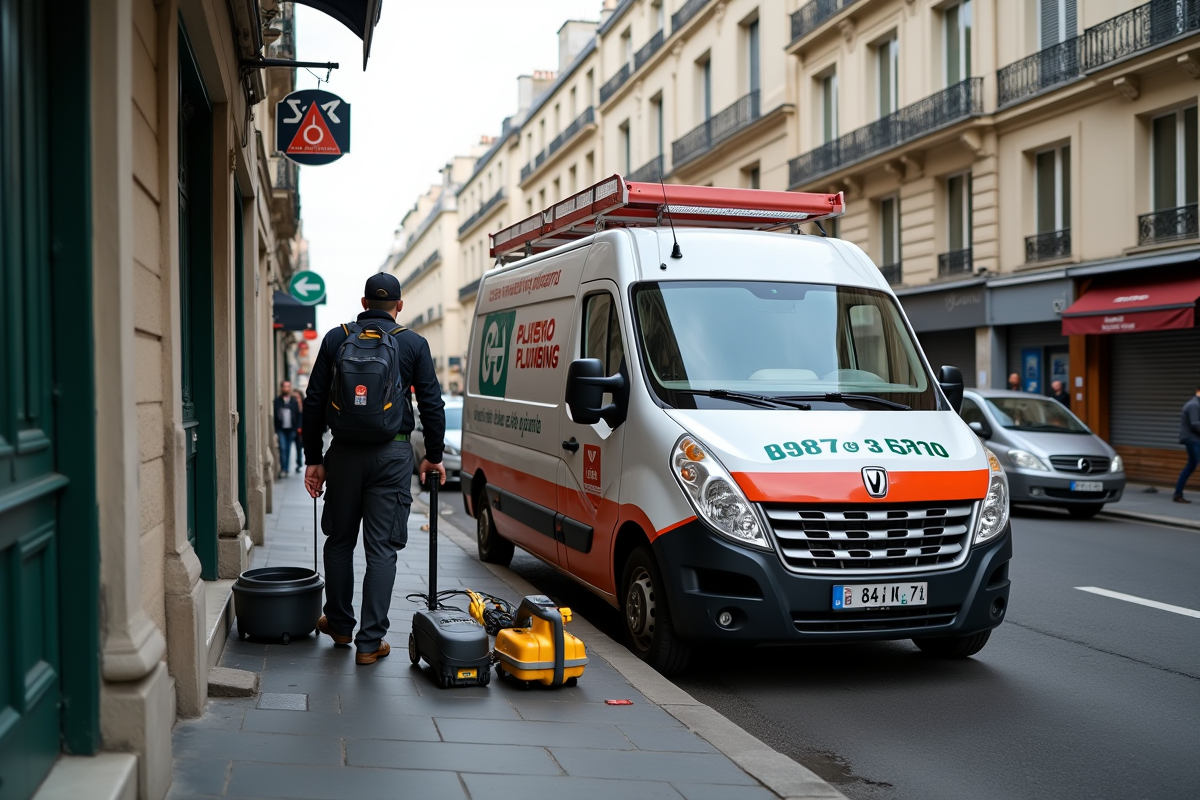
(602, 332)
(971, 412)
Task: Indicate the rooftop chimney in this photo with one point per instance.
(573, 36)
(606, 10)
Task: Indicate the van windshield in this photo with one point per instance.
(777, 340)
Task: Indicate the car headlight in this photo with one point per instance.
(1117, 465)
(715, 496)
(994, 514)
(1022, 460)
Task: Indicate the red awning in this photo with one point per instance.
(1133, 308)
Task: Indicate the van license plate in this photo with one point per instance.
(879, 595)
(1087, 486)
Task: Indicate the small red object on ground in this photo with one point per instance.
(619, 702)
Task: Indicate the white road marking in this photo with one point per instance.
(1141, 601)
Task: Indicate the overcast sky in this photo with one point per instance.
(441, 74)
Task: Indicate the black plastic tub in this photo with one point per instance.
(277, 602)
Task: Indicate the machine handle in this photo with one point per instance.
(433, 520)
(549, 613)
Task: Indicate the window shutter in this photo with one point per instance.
(1072, 16)
(1049, 23)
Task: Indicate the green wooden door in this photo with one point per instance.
(196, 307)
(30, 690)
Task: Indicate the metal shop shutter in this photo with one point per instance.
(1153, 375)
(952, 348)
(1040, 334)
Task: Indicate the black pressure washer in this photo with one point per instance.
(450, 641)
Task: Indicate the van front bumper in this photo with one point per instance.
(707, 575)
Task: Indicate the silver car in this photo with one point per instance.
(453, 455)
(1051, 458)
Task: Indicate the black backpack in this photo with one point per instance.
(365, 402)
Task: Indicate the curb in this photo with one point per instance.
(778, 773)
(1174, 522)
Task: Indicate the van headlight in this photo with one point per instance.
(715, 496)
(994, 514)
(1117, 465)
(1023, 460)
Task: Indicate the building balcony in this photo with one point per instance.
(810, 16)
(715, 130)
(651, 172)
(483, 211)
(954, 104)
(892, 273)
(1047, 246)
(1141, 28)
(648, 49)
(956, 262)
(465, 293)
(614, 83)
(430, 261)
(588, 117)
(285, 197)
(689, 9)
(1168, 225)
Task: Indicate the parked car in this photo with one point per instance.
(452, 457)
(1050, 456)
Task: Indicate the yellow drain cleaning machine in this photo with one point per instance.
(531, 644)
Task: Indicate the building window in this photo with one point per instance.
(957, 44)
(889, 230)
(572, 180)
(626, 142)
(1173, 159)
(1053, 178)
(704, 86)
(572, 105)
(627, 47)
(958, 228)
(752, 177)
(752, 57)
(591, 86)
(658, 15)
(1057, 22)
(829, 107)
(887, 75)
(656, 105)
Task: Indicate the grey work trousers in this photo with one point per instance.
(367, 484)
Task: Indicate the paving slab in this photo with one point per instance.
(341, 783)
(490, 758)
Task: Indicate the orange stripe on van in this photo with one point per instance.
(847, 487)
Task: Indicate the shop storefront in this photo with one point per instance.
(1025, 314)
(945, 319)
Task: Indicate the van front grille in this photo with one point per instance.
(1081, 465)
(863, 539)
(874, 619)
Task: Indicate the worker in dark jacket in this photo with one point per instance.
(287, 422)
(1189, 437)
(369, 483)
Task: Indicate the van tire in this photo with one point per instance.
(1085, 511)
(493, 548)
(950, 647)
(649, 632)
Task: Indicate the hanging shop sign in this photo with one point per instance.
(312, 127)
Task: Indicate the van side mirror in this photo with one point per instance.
(981, 429)
(586, 385)
(951, 381)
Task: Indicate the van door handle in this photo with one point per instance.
(571, 445)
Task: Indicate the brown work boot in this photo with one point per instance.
(371, 658)
(323, 627)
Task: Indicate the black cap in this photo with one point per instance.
(382, 286)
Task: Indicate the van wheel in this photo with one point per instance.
(954, 646)
(493, 548)
(649, 632)
(1085, 512)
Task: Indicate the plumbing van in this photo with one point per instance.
(726, 428)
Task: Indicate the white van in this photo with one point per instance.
(742, 443)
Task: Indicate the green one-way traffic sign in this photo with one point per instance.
(307, 287)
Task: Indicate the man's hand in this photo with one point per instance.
(314, 479)
(426, 467)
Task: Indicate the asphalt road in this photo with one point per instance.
(1076, 694)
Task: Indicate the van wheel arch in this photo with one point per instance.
(478, 493)
(629, 538)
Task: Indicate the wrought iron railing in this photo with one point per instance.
(1168, 225)
(579, 123)
(1053, 244)
(429, 261)
(1146, 26)
(651, 171)
(287, 175)
(615, 82)
(483, 211)
(690, 9)
(812, 14)
(470, 290)
(958, 102)
(956, 262)
(715, 129)
(648, 49)
(892, 273)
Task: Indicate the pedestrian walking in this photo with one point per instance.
(1189, 437)
(1014, 382)
(359, 388)
(287, 421)
(1060, 393)
(296, 393)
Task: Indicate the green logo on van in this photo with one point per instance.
(493, 352)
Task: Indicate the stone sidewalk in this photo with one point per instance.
(323, 728)
(1156, 506)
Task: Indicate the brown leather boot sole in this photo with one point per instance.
(323, 627)
(371, 658)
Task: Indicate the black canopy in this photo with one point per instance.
(292, 315)
(360, 16)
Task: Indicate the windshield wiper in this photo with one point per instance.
(838, 397)
(760, 400)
